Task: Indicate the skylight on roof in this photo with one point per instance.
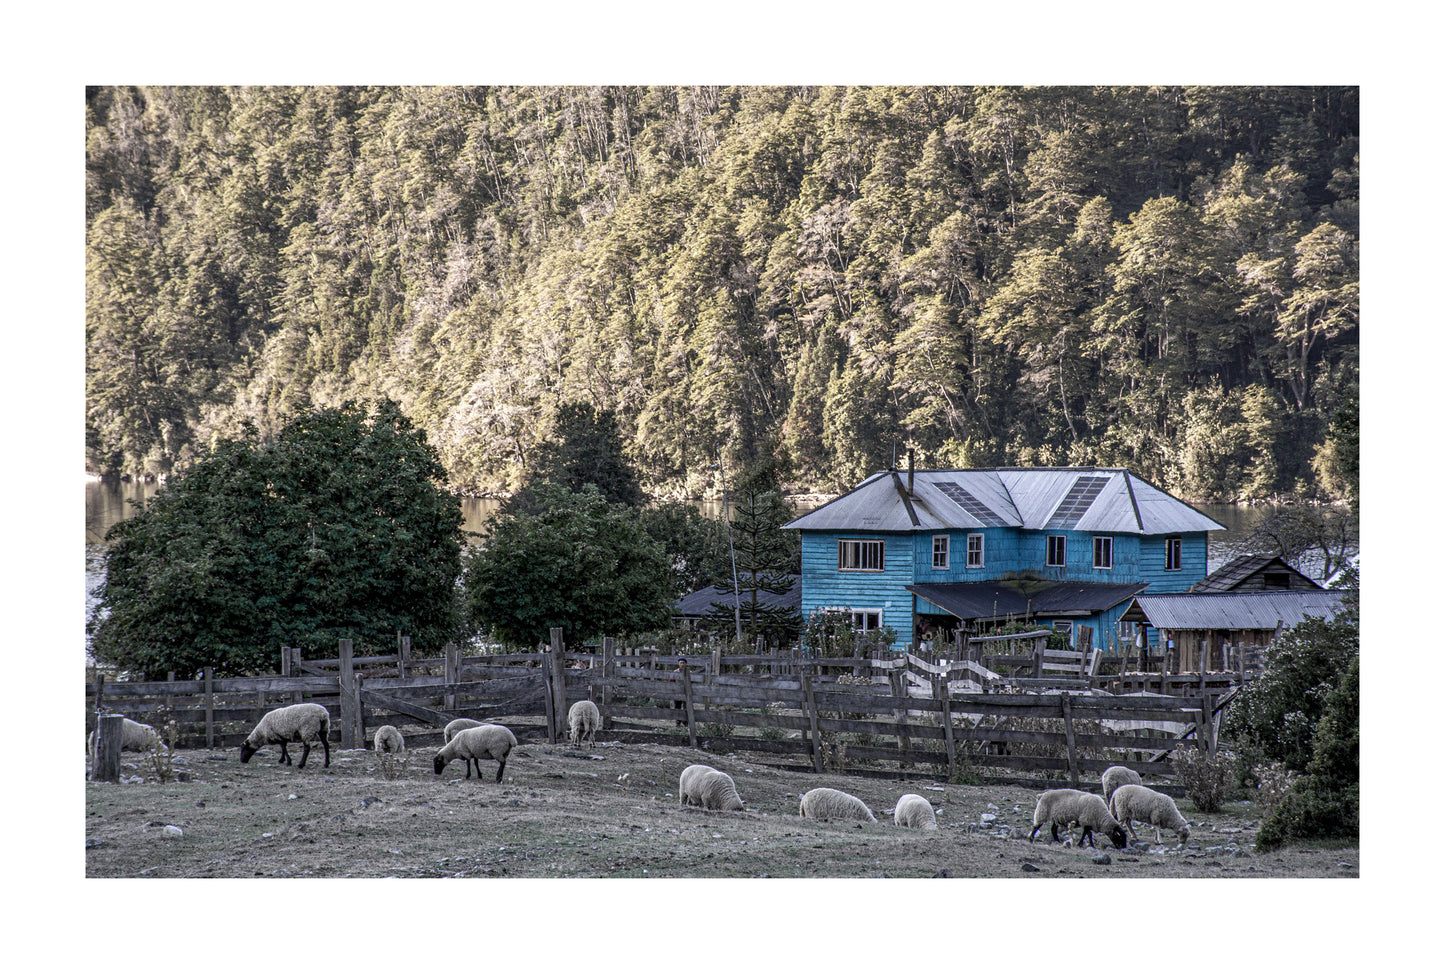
(1081, 496)
(965, 500)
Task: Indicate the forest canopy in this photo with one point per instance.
(1160, 278)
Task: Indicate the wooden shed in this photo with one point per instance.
(1255, 573)
(1209, 621)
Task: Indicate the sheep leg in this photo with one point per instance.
(1037, 828)
(1157, 838)
(1054, 829)
(285, 756)
(327, 748)
(305, 752)
(1088, 832)
(500, 767)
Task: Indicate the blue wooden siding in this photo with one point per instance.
(1193, 567)
(908, 558)
(825, 587)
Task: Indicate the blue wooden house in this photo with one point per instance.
(927, 552)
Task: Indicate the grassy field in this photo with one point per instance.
(610, 811)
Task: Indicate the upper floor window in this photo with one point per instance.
(1173, 554)
(940, 552)
(975, 550)
(1054, 555)
(864, 555)
(1103, 552)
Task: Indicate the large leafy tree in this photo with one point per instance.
(573, 560)
(585, 449)
(337, 528)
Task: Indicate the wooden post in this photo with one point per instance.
(286, 668)
(358, 711)
(1086, 638)
(1068, 714)
(170, 697)
(899, 690)
(346, 684)
(1039, 646)
(940, 693)
(1204, 725)
(109, 732)
(687, 702)
(716, 661)
(548, 702)
(811, 706)
(403, 656)
(559, 680)
(210, 705)
(451, 676)
(609, 647)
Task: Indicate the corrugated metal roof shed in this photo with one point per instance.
(698, 603)
(1020, 497)
(1232, 610)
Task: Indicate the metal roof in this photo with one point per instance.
(1233, 610)
(986, 600)
(698, 603)
(1028, 498)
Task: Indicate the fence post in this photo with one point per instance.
(559, 680)
(403, 655)
(1068, 713)
(609, 647)
(1039, 645)
(170, 696)
(286, 667)
(1204, 725)
(899, 690)
(109, 733)
(451, 675)
(940, 693)
(358, 711)
(210, 704)
(811, 706)
(548, 702)
(346, 684)
(687, 702)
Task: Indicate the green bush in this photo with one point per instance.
(1206, 779)
(1325, 802)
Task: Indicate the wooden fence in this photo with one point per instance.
(1061, 717)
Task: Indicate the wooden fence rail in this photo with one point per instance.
(944, 714)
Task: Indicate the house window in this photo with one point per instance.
(940, 552)
(1066, 627)
(1103, 552)
(864, 555)
(1173, 554)
(1055, 552)
(975, 550)
(1276, 580)
(863, 620)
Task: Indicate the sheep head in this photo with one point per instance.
(1119, 837)
(247, 751)
(438, 764)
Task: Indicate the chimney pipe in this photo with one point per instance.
(909, 450)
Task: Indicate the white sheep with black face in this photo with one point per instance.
(1064, 808)
(136, 737)
(703, 786)
(455, 727)
(1157, 809)
(825, 803)
(301, 722)
(486, 742)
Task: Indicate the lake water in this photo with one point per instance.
(108, 503)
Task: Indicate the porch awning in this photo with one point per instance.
(989, 600)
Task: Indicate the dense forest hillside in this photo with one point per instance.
(1162, 278)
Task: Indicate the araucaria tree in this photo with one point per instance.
(337, 528)
(572, 560)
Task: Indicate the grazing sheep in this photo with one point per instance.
(1158, 810)
(302, 722)
(1116, 777)
(825, 803)
(703, 786)
(486, 742)
(134, 736)
(1063, 808)
(389, 740)
(455, 727)
(583, 721)
(914, 811)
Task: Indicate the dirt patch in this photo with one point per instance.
(609, 811)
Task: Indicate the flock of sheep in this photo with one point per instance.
(1125, 799)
